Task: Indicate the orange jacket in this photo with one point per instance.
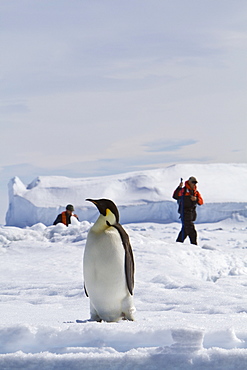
(64, 218)
(187, 191)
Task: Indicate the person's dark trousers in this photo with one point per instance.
(188, 229)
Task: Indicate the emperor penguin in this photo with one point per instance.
(108, 266)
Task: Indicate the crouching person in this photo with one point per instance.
(65, 217)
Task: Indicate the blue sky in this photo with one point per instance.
(95, 87)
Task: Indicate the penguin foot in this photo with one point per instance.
(128, 317)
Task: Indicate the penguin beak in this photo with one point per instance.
(98, 205)
(94, 202)
(91, 200)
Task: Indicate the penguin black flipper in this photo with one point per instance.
(85, 290)
(129, 258)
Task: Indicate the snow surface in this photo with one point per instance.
(191, 300)
(144, 196)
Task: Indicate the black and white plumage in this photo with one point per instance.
(108, 266)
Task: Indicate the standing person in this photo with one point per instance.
(188, 197)
(65, 217)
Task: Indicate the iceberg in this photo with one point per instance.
(142, 196)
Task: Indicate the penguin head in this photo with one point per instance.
(107, 209)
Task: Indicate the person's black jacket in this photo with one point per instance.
(186, 206)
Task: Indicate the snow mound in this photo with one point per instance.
(143, 196)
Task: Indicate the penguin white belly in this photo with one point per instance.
(104, 276)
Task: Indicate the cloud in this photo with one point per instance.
(13, 108)
(168, 145)
(98, 73)
(83, 45)
(110, 166)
